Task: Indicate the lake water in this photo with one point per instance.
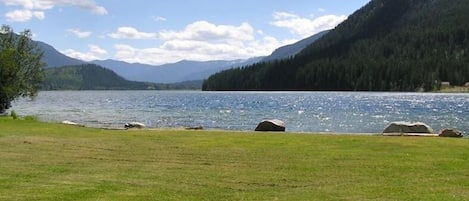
(344, 112)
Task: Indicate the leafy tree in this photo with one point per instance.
(21, 69)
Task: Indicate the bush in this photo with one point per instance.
(13, 114)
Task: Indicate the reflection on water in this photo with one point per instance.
(301, 111)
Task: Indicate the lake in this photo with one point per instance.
(338, 112)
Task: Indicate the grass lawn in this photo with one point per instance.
(43, 161)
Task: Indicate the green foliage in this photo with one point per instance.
(388, 45)
(21, 70)
(13, 114)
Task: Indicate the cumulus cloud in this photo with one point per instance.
(94, 53)
(205, 31)
(24, 15)
(303, 26)
(37, 8)
(131, 33)
(80, 34)
(201, 41)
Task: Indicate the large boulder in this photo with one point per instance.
(450, 132)
(271, 125)
(408, 127)
(137, 125)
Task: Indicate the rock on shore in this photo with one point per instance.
(408, 127)
(271, 125)
(137, 125)
(450, 132)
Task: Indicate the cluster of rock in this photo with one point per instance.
(393, 129)
(418, 129)
(275, 125)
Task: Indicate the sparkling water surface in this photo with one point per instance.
(338, 112)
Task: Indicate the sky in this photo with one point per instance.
(158, 32)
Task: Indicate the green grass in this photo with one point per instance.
(42, 161)
(454, 89)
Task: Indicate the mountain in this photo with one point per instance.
(293, 49)
(89, 77)
(171, 73)
(54, 58)
(175, 72)
(387, 45)
(168, 73)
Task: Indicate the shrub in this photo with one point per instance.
(13, 114)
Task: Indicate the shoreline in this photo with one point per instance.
(201, 129)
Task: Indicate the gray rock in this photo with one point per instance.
(271, 125)
(195, 128)
(451, 132)
(408, 127)
(134, 125)
(71, 123)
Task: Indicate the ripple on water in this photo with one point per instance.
(301, 111)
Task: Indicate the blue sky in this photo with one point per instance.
(158, 32)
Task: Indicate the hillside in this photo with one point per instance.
(388, 45)
(53, 58)
(89, 77)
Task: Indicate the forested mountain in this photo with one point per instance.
(388, 45)
(89, 77)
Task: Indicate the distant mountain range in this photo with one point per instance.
(182, 71)
(174, 72)
(95, 77)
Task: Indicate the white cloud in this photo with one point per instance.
(305, 27)
(205, 31)
(201, 41)
(31, 4)
(23, 15)
(80, 34)
(94, 53)
(96, 50)
(159, 19)
(131, 33)
(37, 8)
